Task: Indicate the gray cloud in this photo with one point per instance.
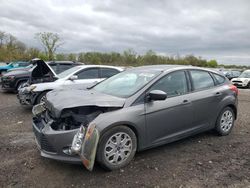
(211, 29)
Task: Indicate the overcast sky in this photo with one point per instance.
(214, 29)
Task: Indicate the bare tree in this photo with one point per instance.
(50, 42)
(2, 38)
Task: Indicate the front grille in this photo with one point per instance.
(43, 142)
(236, 81)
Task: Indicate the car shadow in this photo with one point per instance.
(153, 154)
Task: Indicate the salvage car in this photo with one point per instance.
(137, 109)
(78, 77)
(13, 80)
(243, 80)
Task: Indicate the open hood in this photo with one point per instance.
(58, 100)
(42, 72)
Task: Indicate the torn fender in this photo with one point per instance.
(85, 145)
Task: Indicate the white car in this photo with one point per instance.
(243, 80)
(78, 77)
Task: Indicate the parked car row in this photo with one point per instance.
(13, 65)
(13, 79)
(101, 113)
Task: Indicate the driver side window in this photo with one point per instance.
(173, 84)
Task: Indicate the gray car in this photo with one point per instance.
(137, 109)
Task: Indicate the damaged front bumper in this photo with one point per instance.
(85, 145)
(74, 146)
(24, 96)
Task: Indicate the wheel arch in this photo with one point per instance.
(38, 95)
(129, 125)
(233, 107)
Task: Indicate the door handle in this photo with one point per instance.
(218, 93)
(186, 101)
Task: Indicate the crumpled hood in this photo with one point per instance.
(57, 100)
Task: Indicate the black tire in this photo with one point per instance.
(226, 128)
(100, 155)
(41, 97)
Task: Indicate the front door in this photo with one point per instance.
(173, 116)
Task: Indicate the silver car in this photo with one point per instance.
(137, 109)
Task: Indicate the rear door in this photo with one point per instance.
(108, 72)
(205, 97)
(169, 118)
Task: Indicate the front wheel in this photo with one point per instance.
(116, 148)
(41, 98)
(225, 121)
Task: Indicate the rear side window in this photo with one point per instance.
(107, 72)
(89, 74)
(63, 67)
(220, 79)
(201, 79)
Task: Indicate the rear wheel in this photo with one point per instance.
(116, 148)
(225, 121)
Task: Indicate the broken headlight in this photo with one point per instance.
(78, 140)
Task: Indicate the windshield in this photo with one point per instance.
(245, 74)
(126, 83)
(68, 72)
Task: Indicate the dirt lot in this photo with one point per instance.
(205, 160)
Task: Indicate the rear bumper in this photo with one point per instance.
(54, 144)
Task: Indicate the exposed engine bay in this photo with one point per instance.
(41, 73)
(75, 117)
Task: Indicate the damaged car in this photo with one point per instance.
(137, 109)
(43, 79)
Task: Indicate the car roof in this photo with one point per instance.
(159, 67)
(165, 68)
(101, 66)
(64, 62)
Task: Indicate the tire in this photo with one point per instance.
(41, 98)
(124, 150)
(228, 117)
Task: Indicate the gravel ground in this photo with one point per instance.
(204, 160)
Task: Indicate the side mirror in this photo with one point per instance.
(73, 77)
(156, 95)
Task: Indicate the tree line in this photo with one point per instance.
(11, 49)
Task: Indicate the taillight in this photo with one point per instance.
(234, 89)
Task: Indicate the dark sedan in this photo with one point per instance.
(134, 110)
